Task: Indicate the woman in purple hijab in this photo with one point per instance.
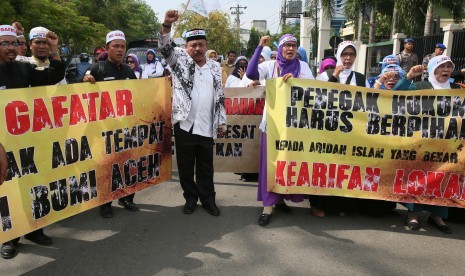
(286, 65)
(134, 63)
(327, 63)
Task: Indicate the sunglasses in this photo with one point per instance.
(130, 62)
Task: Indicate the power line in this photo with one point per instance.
(237, 11)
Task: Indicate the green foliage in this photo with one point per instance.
(221, 37)
(293, 29)
(254, 40)
(411, 16)
(412, 13)
(83, 24)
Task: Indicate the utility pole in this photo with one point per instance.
(283, 13)
(237, 11)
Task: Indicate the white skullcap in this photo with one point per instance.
(113, 35)
(7, 30)
(195, 34)
(38, 32)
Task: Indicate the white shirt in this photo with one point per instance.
(152, 70)
(202, 103)
(233, 81)
(267, 70)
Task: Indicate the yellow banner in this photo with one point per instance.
(74, 147)
(238, 150)
(333, 139)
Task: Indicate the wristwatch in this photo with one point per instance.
(54, 54)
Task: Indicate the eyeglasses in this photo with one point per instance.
(40, 42)
(130, 62)
(290, 45)
(5, 44)
(345, 55)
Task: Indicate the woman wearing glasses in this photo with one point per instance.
(286, 65)
(134, 63)
(342, 73)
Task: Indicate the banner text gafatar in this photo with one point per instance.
(21, 116)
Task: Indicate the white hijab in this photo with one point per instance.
(432, 65)
(345, 74)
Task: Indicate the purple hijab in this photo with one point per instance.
(325, 63)
(287, 66)
(137, 63)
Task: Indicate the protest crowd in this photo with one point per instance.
(198, 112)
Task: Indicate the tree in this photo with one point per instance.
(134, 17)
(356, 10)
(220, 35)
(83, 24)
(395, 21)
(253, 42)
(455, 7)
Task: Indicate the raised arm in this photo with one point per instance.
(406, 83)
(164, 42)
(252, 69)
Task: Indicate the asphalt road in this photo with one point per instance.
(161, 240)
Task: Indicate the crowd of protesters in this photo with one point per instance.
(197, 97)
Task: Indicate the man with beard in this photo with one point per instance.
(198, 115)
(113, 69)
(41, 50)
(14, 74)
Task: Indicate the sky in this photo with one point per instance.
(256, 10)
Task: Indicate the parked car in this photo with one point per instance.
(141, 54)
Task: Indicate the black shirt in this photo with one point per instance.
(457, 76)
(20, 74)
(108, 71)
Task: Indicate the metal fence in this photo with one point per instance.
(458, 50)
(375, 54)
(424, 45)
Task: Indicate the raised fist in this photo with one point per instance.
(19, 28)
(264, 40)
(415, 71)
(171, 16)
(387, 76)
(52, 39)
